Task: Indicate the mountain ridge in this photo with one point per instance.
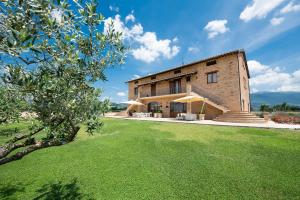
(273, 98)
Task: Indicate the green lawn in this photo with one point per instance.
(152, 160)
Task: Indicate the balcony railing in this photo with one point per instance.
(160, 92)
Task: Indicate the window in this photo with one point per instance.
(188, 79)
(177, 71)
(153, 77)
(175, 86)
(212, 77)
(136, 82)
(212, 62)
(136, 91)
(245, 82)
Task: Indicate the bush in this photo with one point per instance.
(286, 118)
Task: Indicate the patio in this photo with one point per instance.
(140, 109)
(269, 124)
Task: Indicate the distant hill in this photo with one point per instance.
(273, 98)
(118, 106)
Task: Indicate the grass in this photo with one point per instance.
(153, 160)
(9, 130)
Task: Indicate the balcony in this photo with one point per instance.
(175, 76)
(163, 92)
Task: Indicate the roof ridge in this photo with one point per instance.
(191, 63)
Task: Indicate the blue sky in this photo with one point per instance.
(163, 34)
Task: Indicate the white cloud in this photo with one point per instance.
(266, 78)
(119, 26)
(137, 29)
(151, 48)
(216, 27)
(114, 8)
(259, 9)
(130, 17)
(290, 7)
(145, 45)
(276, 20)
(175, 39)
(256, 67)
(193, 49)
(255, 39)
(57, 15)
(121, 94)
(136, 76)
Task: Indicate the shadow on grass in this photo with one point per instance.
(68, 191)
(7, 192)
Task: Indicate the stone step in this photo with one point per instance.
(239, 117)
(244, 120)
(227, 119)
(238, 114)
(241, 121)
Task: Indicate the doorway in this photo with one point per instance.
(176, 108)
(153, 107)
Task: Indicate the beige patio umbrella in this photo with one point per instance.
(132, 102)
(189, 99)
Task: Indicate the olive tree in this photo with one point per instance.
(11, 105)
(52, 53)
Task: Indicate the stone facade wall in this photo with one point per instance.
(210, 111)
(244, 81)
(231, 89)
(226, 91)
(164, 103)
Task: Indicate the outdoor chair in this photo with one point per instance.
(141, 114)
(190, 117)
(180, 116)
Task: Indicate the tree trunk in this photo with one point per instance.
(10, 145)
(8, 148)
(22, 136)
(3, 120)
(38, 145)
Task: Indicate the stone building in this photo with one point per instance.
(223, 80)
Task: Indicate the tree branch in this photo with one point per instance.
(3, 120)
(7, 149)
(22, 136)
(11, 146)
(36, 146)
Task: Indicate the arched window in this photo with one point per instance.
(153, 107)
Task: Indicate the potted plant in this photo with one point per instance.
(158, 114)
(201, 115)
